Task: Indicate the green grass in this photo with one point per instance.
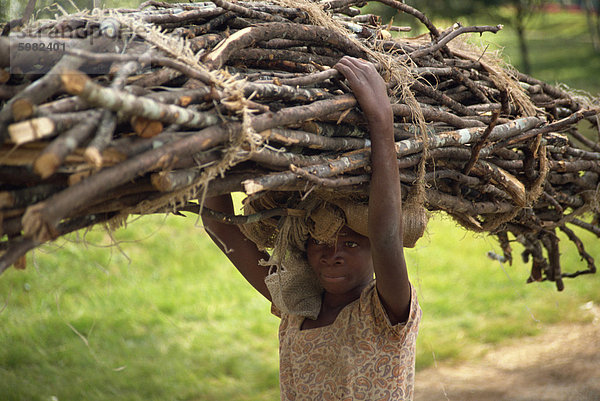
(174, 321)
(472, 303)
(167, 317)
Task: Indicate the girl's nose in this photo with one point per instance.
(330, 255)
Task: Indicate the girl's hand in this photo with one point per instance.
(368, 88)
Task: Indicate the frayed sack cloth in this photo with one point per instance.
(294, 287)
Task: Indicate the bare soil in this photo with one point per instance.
(561, 364)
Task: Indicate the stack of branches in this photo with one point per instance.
(148, 110)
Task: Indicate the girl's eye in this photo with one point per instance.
(350, 244)
(317, 242)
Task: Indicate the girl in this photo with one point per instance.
(361, 345)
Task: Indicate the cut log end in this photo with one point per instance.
(46, 164)
(31, 130)
(74, 81)
(146, 128)
(6, 200)
(93, 156)
(161, 182)
(251, 187)
(22, 109)
(4, 76)
(185, 101)
(36, 226)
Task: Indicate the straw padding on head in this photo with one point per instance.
(325, 216)
(414, 219)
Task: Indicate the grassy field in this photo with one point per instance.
(164, 316)
(472, 303)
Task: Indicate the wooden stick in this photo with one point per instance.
(453, 204)
(330, 182)
(557, 125)
(526, 178)
(44, 127)
(46, 86)
(40, 220)
(149, 58)
(26, 196)
(504, 179)
(248, 36)
(251, 57)
(186, 16)
(588, 226)
(79, 84)
(431, 114)
(443, 99)
(415, 13)
(470, 135)
(550, 241)
(298, 114)
(311, 79)
(481, 143)
(21, 245)
(247, 12)
(168, 181)
(273, 181)
(313, 141)
(284, 159)
(266, 91)
(52, 157)
(70, 104)
(444, 41)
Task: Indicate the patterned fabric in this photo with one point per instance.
(360, 356)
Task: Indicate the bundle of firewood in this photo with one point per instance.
(137, 111)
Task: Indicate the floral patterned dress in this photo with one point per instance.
(360, 356)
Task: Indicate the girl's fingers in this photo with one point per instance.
(365, 82)
(347, 71)
(361, 65)
(361, 70)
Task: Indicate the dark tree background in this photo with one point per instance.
(511, 13)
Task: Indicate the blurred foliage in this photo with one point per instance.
(11, 9)
(520, 13)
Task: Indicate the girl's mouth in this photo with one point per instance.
(332, 278)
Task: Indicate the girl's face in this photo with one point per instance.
(344, 265)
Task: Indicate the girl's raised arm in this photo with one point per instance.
(385, 200)
(242, 252)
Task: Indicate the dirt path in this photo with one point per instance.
(562, 364)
